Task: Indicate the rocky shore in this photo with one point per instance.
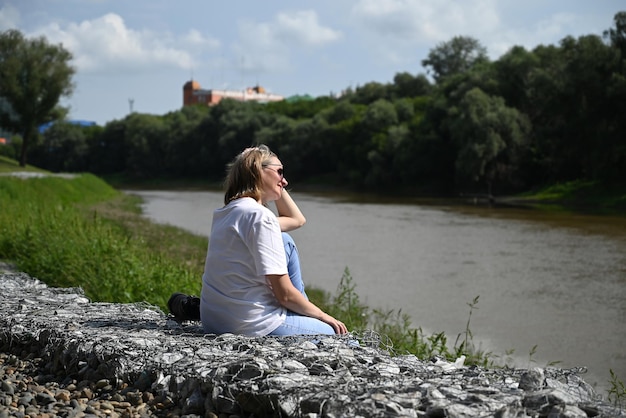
(63, 355)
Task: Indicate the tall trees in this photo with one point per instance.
(65, 147)
(489, 136)
(370, 92)
(554, 113)
(616, 94)
(405, 85)
(33, 77)
(574, 95)
(617, 35)
(588, 66)
(455, 56)
(514, 74)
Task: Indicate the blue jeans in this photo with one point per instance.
(296, 324)
(293, 263)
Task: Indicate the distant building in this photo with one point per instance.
(193, 93)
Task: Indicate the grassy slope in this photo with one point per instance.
(8, 165)
(80, 233)
(583, 196)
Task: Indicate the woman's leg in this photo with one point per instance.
(296, 324)
(293, 263)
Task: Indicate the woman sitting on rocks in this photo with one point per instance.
(252, 283)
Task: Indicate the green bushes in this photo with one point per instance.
(48, 231)
(395, 330)
(9, 150)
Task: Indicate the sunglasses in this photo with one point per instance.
(279, 171)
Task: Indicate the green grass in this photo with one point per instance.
(9, 165)
(394, 328)
(56, 230)
(580, 195)
(617, 391)
(121, 181)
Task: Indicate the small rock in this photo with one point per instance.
(532, 380)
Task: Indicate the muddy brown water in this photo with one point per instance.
(551, 285)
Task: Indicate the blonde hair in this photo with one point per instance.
(243, 177)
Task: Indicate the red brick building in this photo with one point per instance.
(193, 93)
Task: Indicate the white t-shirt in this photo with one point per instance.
(245, 245)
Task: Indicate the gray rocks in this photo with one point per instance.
(64, 355)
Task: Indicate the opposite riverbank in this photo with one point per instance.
(583, 196)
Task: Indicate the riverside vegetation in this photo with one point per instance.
(471, 125)
(81, 232)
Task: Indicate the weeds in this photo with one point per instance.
(531, 360)
(531, 353)
(347, 305)
(617, 391)
(395, 327)
(468, 337)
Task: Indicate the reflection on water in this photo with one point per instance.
(553, 280)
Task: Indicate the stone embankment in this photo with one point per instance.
(63, 355)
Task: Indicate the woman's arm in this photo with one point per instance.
(289, 297)
(289, 215)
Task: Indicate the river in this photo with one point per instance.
(551, 285)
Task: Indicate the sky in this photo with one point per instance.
(136, 55)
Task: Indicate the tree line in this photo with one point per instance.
(530, 118)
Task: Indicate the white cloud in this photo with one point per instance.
(258, 50)
(197, 39)
(395, 29)
(266, 46)
(303, 28)
(425, 22)
(554, 27)
(9, 17)
(547, 31)
(107, 45)
(400, 32)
